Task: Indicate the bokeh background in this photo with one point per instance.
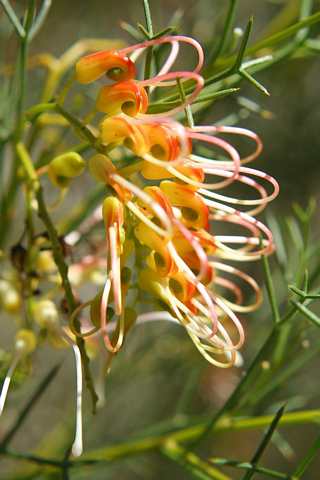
(159, 375)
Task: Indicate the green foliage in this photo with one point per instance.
(291, 278)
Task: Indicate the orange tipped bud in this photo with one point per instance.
(160, 198)
(118, 131)
(181, 287)
(112, 212)
(195, 213)
(127, 97)
(159, 259)
(113, 64)
(163, 144)
(102, 168)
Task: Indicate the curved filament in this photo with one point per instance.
(247, 280)
(235, 131)
(173, 39)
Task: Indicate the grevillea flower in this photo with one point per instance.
(171, 222)
(170, 205)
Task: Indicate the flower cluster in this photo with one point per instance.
(166, 209)
(173, 229)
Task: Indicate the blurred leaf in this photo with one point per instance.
(248, 466)
(307, 460)
(264, 443)
(196, 467)
(44, 384)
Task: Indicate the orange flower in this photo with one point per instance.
(116, 66)
(127, 97)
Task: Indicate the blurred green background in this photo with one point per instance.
(159, 375)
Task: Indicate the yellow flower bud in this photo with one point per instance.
(45, 262)
(45, 314)
(112, 211)
(26, 342)
(10, 299)
(64, 168)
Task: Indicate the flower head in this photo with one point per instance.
(170, 202)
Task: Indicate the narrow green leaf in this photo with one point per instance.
(13, 18)
(217, 51)
(40, 19)
(248, 466)
(165, 31)
(271, 290)
(131, 30)
(263, 445)
(254, 82)
(243, 46)
(144, 31)
(158, 107)
(147, 14)
(307, 460)
(303, 294)
(44, 384)
(307, 313)
(187, 109)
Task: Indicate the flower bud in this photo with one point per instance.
(10, 299)
(45, 314)
(116, 66)
(45, 262)
(25, 342)
(120, 131)
(63, 168)
(127, 97)
(112, 211)
(194, 211)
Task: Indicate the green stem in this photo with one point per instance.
(139, 446)
(149, 56)
(147, 14)
(196, 466)
(271, 290)
(263, 445)
(248, 466)
(59, 260)
(71, 302)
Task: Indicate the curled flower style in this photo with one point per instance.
(169, 204)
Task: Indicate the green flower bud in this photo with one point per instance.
(64, 168)
(45, 314)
